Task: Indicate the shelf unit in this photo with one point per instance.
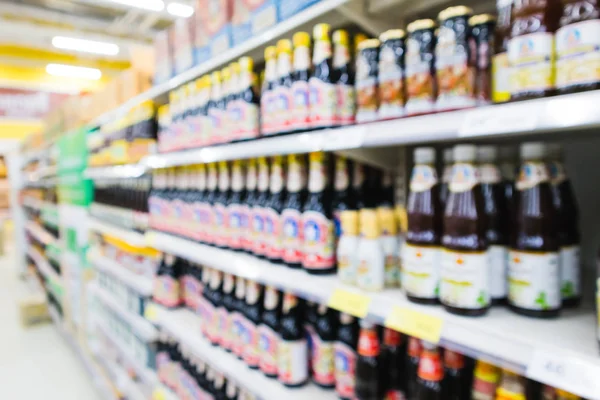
(131, 237)
(37, 231)
(141, 284)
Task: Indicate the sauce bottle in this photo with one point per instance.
(430, 373)
(216, 109)
(268, 99)
(534, 264)
(508, 169)
(393, 354)
(342, 195)
(367, 365)
(253, 313)
(238, 318)
(206, 309)
(531, 48)
(248, 101)
(246, 211)
(343, 77)
(220, 207)
(482, 28)
(446, 175)
(167, 291)
(421, 259)
(226, 96)
(322, 87)
(367, 70)
(234, 208)
(421, 85)
(231, 390)
(225, 312)
(291, 216)
(500, 65)
(485, 382)
(293, 350)
(283, 113)
(301, 75)
(465, 287)
(323, 355)
(564, 395)
(233, 102)
(216, 299)
(454, 385)
(511, 387)
(273, 209)
(371, 268)
(317, 223)
(454, 63)
(156, 200)
(259, 246)
(497, 217)
(345, 356)
(209, 222)
(268, 332)
(199, 203)
(348, 260)
(390, 245)
(577, 47)
(391, 85)
(567, 216)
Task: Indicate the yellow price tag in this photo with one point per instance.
(152, 312)
(159, 394)
(350, 303)
(415, 324)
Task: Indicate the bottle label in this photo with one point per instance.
(178, 206)
(215, 326)
(162, 365)
(534, 280)
(221, 225)
(423, 178)
(346, 100)
(532, 174)
(489, 173)
(199, 229)
(283, 113)
(323, 362)
(531, 58)
(465, 279)
(395, 395)
(292, 236)
(224, 328)
(345, 370)
(570, 269)
(207, 320)
(273, 233)
(245, 227)
(430, 367)
(420, 84)
(239, 341)
(391, 81)
(323, 103)
(268, 106)
(500, 78)
(498, 271)
(322, 51)
(371, 268)
(268, 350)
(348, 259)
(557, 172)
(166, 291)
(578, 54)
(236, 232)
(484, 390)
(218, 132)
(292, 362)
(258, 231)
(464, 177)
(192, 291)
(301, 110)
(209, 223)
(368, 344)
(251, 349)
(319, 241)
(366, 94)
(421, 270)
(392, 261)
(506, 394)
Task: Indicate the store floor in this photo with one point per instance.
(35, 363)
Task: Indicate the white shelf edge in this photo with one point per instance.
(44, 266)
(40, 233)
(141, 284)
(130, 236)
(140, 324)
(115, 171)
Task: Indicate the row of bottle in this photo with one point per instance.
(289, 221)
(125, 193)
(480, 237)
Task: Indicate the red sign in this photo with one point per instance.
(28, 104)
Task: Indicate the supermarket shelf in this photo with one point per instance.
(44, 267)
(140, 324)
(141, 284)
(289, 25)
(40, 233)
(182, 325)
(131, 237)
(501, 336)
(122, 380)
(33, 203)
(164, 393)
(116, 171)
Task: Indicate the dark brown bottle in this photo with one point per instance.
(508, 170)
(220, 207)
(482, 28)
(500, 66)
(464, 287)
(343, 76)
(534, 265)
(575, 44)
(323, 354)
(322, 87)
(269, 332)
(367, 365)
(413, 353)
(367, 70)
(259, 238)
(531, 48)
(346, 345)
(236, 211)
(291, 216)
(301, 75)
(342, 195)
(455, 385)
(430, 374)
(293, 349)
(393, 354)
(273, 208)
(446, 175)
(253, 313)
(421, 83)
(391, 78)
(422, 252)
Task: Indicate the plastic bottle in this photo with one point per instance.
(371, 269)
(301, 75)
(347, 249)
(323, 355)
(323, 100)
(343, 77)
(291, 216)
(283, 111)
(293, 350)
(345, 347)
(390, 245)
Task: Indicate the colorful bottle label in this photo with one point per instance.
(345, 370)
(570, 268)
(207, 320)
(166, 291)
(534, 280)
(500, 78)
(224, 328)
(236, 233)
(323, 103)
(267, 108)
(498, 271)
(245, 227)
(162, 364)
(464, 177)
(391, 82)
(430, 367)
(251, 351)
(532, 59)
(421, 270)
(239, 335)
(221, 225)
(292, 362)
(420, 82)
(284, 108)
(395, 395)
(391, 253)
(346, 101)
(217, 117)
(192, 289)
(348, 259)
(319, 241)
(273, 232)
(578, 54)
(465, 279)
(532, 174)
(248, 120)
(259, 245)
(301, 106)
(292, 236)
(268, 342)
(423, 178)
(323, 362)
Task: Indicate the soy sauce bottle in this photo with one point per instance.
(248, 101)
(273, 210)
(237, 216)
(446, 176)
(231, 391)
(293, 349)
(345, 347)
(216, 109)
(301, 75)
(238, 317)
(284, 86)
(368, 369)
(269, 332)
(211, 198)
(268, 99)
(291, 215)
(413, 358)
(322, 87)
(246, 209)
(216, 298)
(167, 290)
(220, 207)
(323, 356)
(342, 195)
(465, 256)
(226, 311)
(393, 356)
(455, 385)
(343, 77)
(259, 239)
(253, 312)
(430, 374)
(233, 115)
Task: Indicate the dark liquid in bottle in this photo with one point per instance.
(368, 367)
(291, 216)
(293, 344)
(455, 385)
(346, 346)
(430, 374)
(393, 355)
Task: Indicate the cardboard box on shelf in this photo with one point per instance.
(33, 310)
(183, 48)
(263, 15)
(215, 19)
(201, 40)
(143, 59)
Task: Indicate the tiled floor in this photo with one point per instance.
(35, 363)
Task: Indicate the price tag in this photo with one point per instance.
(510, 118)
(159, 394)
(568, 373)
(344, 138)
(415, 324)
(350, 303)
(152, 312)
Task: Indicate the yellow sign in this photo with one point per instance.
(152, 312)
(159, 394)
(350, 303)
(415, 324)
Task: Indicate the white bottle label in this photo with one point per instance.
(392, 262)
(421, 270)
(293, 362)
(371, 268)
(347, 257)
(570, 285)
(465, 279)
(534, 280)
(498, 271)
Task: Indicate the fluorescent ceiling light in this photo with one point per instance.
(86, 46)
(71, 71)
(180, 10)
(152, 5)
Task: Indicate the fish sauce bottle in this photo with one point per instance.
(343, 77)
(368, 367)
(273, 210)
(292, 355)
(345, 346)
(430, 374)
(393, 355)
(300, 87)
(291, 215)
(323, 99)
(323, 354)
(268, 332)
(253, 313)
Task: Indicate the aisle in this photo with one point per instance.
(35, 363)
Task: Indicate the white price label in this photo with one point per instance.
(344, 138)
(574, 375)
(494, 120)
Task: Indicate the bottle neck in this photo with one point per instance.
(276, 182)
(317, 180)
(341, 56)
(271, 70)
(296, 176)
(284, 65)
(301, 58)
(322, 51)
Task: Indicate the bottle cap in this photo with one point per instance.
(163, 111)
(321, 32)
(452, 12)
(392, 34)
(448, 156)
(424, 155)
(226, 73)
(420, 24)
(369, 44)
(284, 46)
(487, 154)
(270, 53)
(465, 152)
(246, 64)
(358, 39)
(301, 39)
(533, 151)
(555, 151)
(481, 19)
(234, 67)
(340, 37)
